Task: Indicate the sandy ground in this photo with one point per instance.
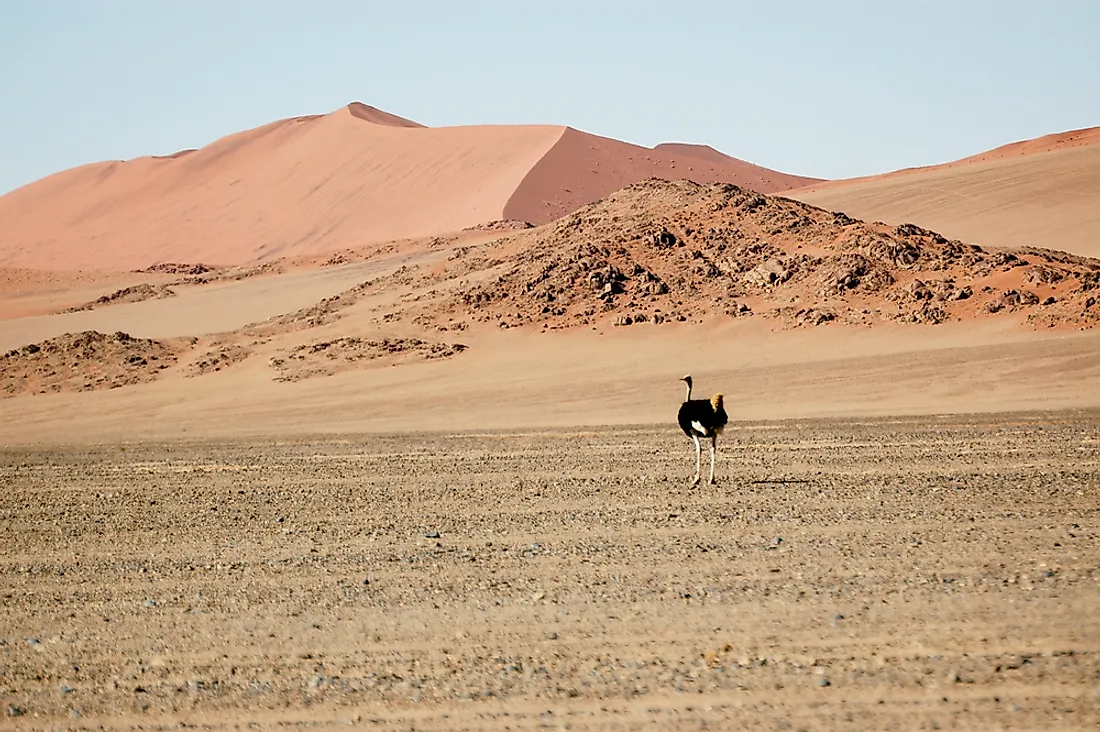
(205, 309)
(926, 573)
(29, 292)
(514, 380)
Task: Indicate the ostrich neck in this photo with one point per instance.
(688, 397)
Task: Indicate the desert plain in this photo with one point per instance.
(272, 457)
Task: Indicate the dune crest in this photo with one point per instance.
(379, 117)
(1047, 143)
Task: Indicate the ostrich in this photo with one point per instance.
(702, 418)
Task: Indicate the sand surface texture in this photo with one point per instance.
(874, 574)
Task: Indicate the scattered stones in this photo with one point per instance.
(926, 312)
(1012, 299)
(664, 239)
(768, 273)
(917, 290)
(813, 316)
(1044, 274)
(323, 313)
(337, 259)
(961, 293)
(84, 361)
(217, 358)
(325, 358)
(177, 268)
(501, 225)
(133, 293)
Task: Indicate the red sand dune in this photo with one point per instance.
(318, 183)
(582, 168)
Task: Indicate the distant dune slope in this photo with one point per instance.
(760, 179)
(1043, 192)
(1046, 143)
(582, 168)
(297, 186)
(318, 183)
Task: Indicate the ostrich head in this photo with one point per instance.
(687, 379)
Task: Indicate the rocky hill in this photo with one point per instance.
(661, 251)
(86, 361)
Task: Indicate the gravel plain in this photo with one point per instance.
(903, 573)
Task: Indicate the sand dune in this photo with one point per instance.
(318, 183)
(1043, 192)
(1046, 143)
(294, 187)
(582, 168)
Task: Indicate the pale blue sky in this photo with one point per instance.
(829, 89)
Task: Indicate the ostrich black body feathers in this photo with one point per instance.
(703, 417)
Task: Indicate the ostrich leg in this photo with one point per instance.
(713, 448)
(698, 459)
